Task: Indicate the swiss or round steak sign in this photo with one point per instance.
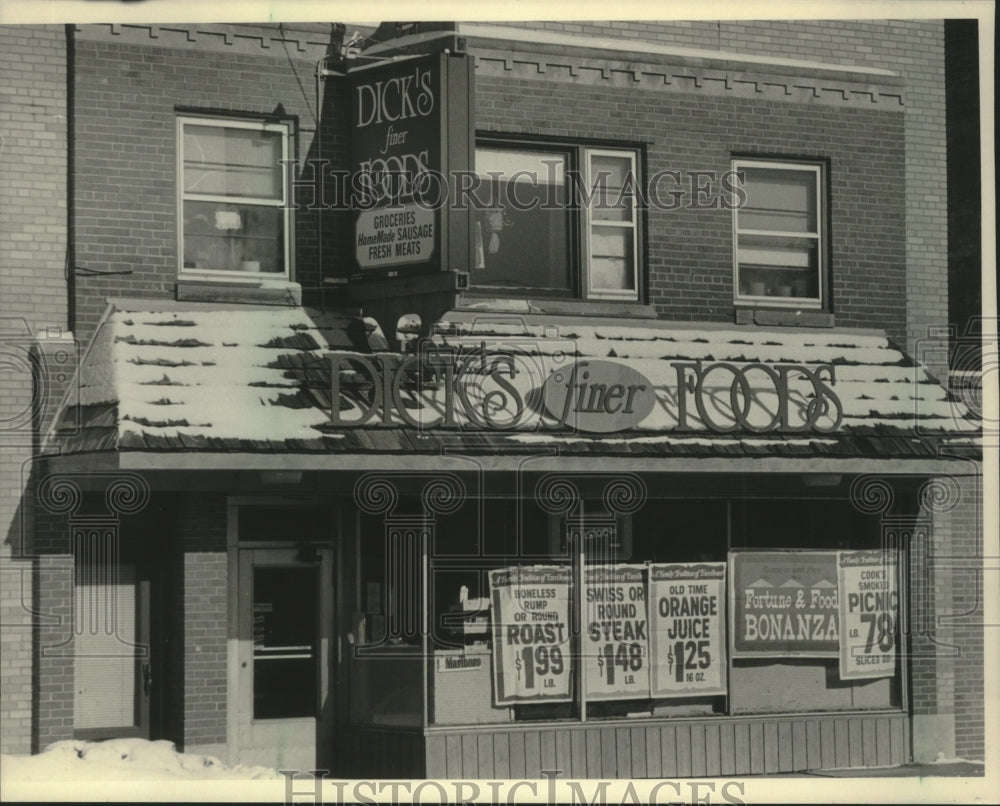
(616, 635)
(869, 614)
(785, 603)
(686, 629)
(531, 634)
(599, 397)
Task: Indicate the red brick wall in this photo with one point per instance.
(53, 662)
(126, 208)
(33, 160)
(53, 681)
(126, 90)
(912, 48)
(690, 250)
(196, 622)
(959, 612)
(946, 647)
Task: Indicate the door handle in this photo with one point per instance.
(147, 679)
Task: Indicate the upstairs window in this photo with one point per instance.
(779, 237)
(233, 211)
(558, 221)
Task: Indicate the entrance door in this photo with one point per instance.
(112, 659)
(285, 631)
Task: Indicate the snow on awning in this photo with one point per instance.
(258, 379)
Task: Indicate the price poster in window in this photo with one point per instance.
(687, 618)
(785, 603)
(869, 614)
(531, 647)
(615, 633)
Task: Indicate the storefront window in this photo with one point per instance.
(788, 601)
(512, 647)
(613, 227)
(779, 234)
(523, 234)
(385, 643)
(285, 660)
(557, 220)
(294, 523)
(684, 607)
(233, 187)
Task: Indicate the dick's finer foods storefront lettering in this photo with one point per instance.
(492, 390)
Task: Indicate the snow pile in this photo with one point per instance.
(121, 760)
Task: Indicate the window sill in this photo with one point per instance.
(790, 317)
(255, 290)
(561, 307)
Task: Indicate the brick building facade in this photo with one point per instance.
(850, 99)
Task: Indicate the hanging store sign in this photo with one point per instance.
(616, 634)
(869, 614)
(496, 389)
(686, 629)
(784, 603)
(395, 146)
(531, 634)
(411, 131)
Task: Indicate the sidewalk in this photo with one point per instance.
(950, 769)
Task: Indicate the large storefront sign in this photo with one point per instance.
(599, 396)
(687, 636)
(869, 614)
(532, 661)
(616, 634)
(395, 147)
(497, 389)
(785, 603)
(411, 132)
(727, 397)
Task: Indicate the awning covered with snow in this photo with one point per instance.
(171, 379)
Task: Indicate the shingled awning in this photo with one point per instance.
(161, 380)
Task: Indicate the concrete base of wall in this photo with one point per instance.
(933, 736)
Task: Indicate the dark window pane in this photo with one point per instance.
(224, 161)
(772, 266)
(523, 230)
(233, 237)
(779, 200)
(285, 660)
(294, 524)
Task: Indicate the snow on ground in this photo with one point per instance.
(121, 760)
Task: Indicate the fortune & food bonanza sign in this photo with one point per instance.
(785, 603)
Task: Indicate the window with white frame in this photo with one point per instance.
(557, 220)
(233, 189)
(779, 234)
